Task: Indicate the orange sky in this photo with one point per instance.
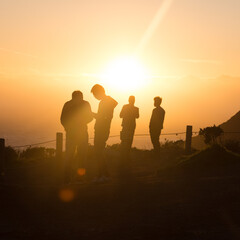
(48, 46)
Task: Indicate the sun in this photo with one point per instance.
(125, 73)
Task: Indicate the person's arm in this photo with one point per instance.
(151, 119)
(115, 103)
(122, 113)
(89, 114)
(63, 115)
(137, 112)
(163, 117)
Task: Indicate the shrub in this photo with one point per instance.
(173, 144)
(34, 153)
(11, 155)
(211, 134)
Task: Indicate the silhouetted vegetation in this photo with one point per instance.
(115, 146)
(11, 155)
(179, 144)
(37, 153)
(211, 134)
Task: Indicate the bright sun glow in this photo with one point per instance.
(125, 73)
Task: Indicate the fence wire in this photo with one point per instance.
(112, 136)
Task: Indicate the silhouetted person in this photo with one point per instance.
(156, 123)
(76, 114)
(102, 127)
(129, 113)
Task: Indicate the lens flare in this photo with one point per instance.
(81, 171)
(66, 195)
(162, 11)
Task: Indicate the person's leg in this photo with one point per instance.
(123, 152)
(128, 162)
(82, 149)
(155, 140)
(69, 158)
(82, 153)
(127, 139)
(124, 143)
(130, 141)
(152, 137)
(100, 139)
(98, 151)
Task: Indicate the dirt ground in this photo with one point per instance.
(144, 206)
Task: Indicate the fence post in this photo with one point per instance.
(188, 142)
(59, 145)
(2, 158)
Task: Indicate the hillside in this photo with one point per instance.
(231, 130)
(172, 197)
(232, 126)
(212, 162)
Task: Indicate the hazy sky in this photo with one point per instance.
(48, 46)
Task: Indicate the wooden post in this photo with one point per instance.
(2, 158)
(59, 145)
(188, 142)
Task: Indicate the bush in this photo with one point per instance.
(50, 152)
(115, 146)
(211, 134)
(173, 144)
(11, 155)
(34, 153)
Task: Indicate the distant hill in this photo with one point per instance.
(229, 127)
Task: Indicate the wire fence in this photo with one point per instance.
(113, 136)
(34, 144)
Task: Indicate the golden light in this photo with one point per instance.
(81, 171)
(66, 195)
(126, 73)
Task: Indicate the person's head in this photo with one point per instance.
(98, 91)
(157, 101)
(131, 100)
(77, 95)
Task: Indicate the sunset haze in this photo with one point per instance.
(49, 48)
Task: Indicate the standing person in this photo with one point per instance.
(156, 123)
(129, 114)
(76, 114)
(102, 127)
